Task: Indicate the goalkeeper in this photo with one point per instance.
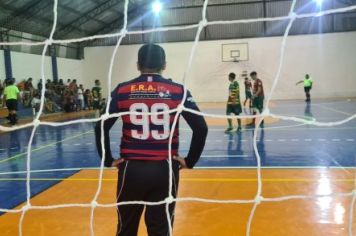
(144, 171)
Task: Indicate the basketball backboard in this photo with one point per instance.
(233, 52)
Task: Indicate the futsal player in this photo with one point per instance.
(248, 93)
(308, 84)
(258, 97)
(144, 151)
(11, 95)
(233, 103)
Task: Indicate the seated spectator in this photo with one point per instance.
(69, 105)
(36, 103)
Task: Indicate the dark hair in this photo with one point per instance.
(246, 78)
(10, 81)
(253, 73)
(151, 56)
(232, 75)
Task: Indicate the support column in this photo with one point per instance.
(54, 63)
(8, 65)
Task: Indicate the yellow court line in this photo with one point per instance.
(186, 179)
(42, 147)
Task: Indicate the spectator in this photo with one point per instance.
(36, 103)
(69, 105)
(96, 91)
(80, 97)
(88, 99)
(39, 85)
(28, 92)
(73, 86)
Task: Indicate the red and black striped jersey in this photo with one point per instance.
(146, 136)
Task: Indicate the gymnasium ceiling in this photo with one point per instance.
(33, 19)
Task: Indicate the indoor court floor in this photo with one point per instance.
(296, 158)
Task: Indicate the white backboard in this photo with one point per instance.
(234, 52)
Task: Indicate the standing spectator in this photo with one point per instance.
(96, 91)
(68, 82)
(39, 85)
(73, 86)
(21, 87)
(11, 95)
(28, 92)
(80, 97)
(88, 99)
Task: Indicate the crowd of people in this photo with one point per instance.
(59, 95)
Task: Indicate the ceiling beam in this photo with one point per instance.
(72, 10)
(25, 13)
(94, 12)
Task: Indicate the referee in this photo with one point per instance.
(144, 150)
(308, 84)
(11, 95)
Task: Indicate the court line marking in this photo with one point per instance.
(196, 167)
(189, 179)
(333, 109)
(223, 156)
(44, 146)
(233, 141)
(278, 167)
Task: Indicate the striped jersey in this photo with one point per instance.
(234, 93)
(144, 136)
(258, 84)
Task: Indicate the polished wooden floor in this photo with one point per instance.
(320, 216)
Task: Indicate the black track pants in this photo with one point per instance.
(145, 181)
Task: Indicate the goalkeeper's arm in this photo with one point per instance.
(200, 131)
(107, 126)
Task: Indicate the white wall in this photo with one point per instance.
(328, 58)
(29, 65)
